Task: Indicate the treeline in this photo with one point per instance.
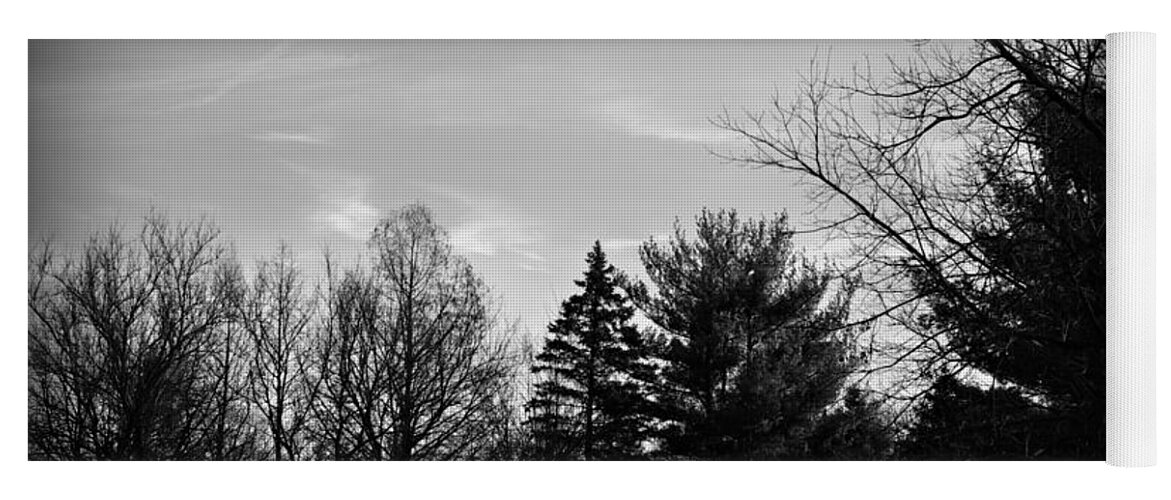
(159, 347)
(988, 264)
(749, 356)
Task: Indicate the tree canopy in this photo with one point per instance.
(966, 322)
(754, 343)
(592, 402)
(993, 260)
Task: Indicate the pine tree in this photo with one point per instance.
(592, 401)
(754, 342)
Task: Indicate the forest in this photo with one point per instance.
(155, 343)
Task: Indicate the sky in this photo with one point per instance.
(526, 151)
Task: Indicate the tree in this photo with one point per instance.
(956, 420)
(755, 343)
(352, 413)
(276, 314)
(993, 263)
(121, 346)
(592, 402)
(236, 435)
(411, 359)
(858, 430)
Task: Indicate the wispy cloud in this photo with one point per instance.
(621, 244)
(474, 238)
(213, 82)
(342, 205)
(637, 118)
(499, 235)
(229, 75)
(351, 217)
(492, 229)
(534, 269)
(290, 137)
(629, 247)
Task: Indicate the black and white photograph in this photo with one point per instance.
(563, 250)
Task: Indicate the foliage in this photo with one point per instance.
(957, 421)
(858, 430)
(995, 265)
(592, 402)
(987, 268)
(754, 342)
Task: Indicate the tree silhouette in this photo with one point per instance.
(858, 430)
(277, 314)
(755, 344)
(411, 360)
(236, 435)
(987, 269)
(592, 402)
(121, 347)
(994, 263)
(350, 416)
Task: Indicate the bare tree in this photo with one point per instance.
(276, 314)
(119, 344)
(236, 434)
(410, 365)
(350, 410)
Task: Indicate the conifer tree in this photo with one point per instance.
(753, 340)
(592, 400)
(1004, 245)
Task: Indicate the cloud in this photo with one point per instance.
(225, 77)
(629, 244)
(217, 80)
(353, 218)
(636, 118)
(474, 238)
(309, 138)
(490, 235)
(621, 244)
(533, 269)
(342, 206)
(494, 229)
(526, 254)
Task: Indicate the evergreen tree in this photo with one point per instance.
(858, 430)
(995, 261)
(592, 402)
(755, 344)
(956, 420)
(1038, 324)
